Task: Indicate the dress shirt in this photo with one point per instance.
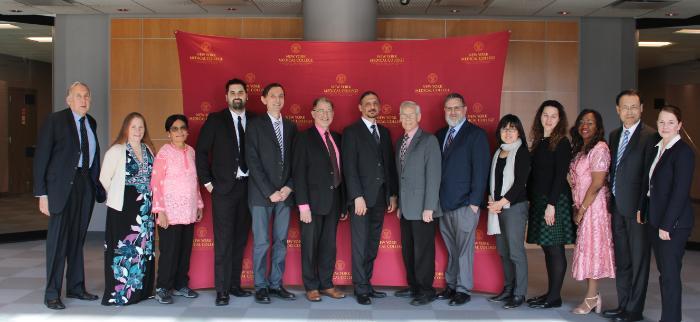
(235, 115)
(658, 156)
(457, 128)
(322, 133)
(91, 138)
(369, 124)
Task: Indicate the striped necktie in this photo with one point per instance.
(404, 149)
(450, 137)
(278, 133)
(620, 152)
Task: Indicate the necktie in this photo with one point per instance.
(334, 159)
(84, 146)
(402, 151)
(241, 146)
(278, 133)
(620, 152)
(450, 137)
(375, 134)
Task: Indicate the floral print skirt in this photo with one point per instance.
(129, 258)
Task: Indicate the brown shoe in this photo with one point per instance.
(313, 296)
(333, 293)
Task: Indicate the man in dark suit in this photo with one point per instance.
(66, 168)
(269, 156)
(465, 172)
(319, 194)
(628, 145)
(371, 183)
(222, 140)
(418, 162)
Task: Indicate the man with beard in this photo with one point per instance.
(465, 171)
(222, 140)
(371, 183)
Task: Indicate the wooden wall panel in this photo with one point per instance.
(562, 66)
(165, 28)
(522, 104)
(562, 31)
(410, 29)
(127, 28)
(524, 67)
(126, 63)
(281, 28)
(161, 67)
(122, 102)
(520, 30)
(157, 106)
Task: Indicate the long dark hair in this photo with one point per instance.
(598, 136)
(510, 120)
(559, 131)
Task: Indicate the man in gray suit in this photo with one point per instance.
(628, 146)
(418, 163)
(268, 155)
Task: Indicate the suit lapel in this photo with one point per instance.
(73, 128)
(228, 120)
(320, 144)
(633, 140)
(457, 139)
(364, 131)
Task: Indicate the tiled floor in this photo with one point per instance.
(20, 213)
(22, 283)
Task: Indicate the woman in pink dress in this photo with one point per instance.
(593, 255)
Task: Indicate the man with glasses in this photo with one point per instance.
(465, 171)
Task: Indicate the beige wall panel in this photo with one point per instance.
(520, 30)
(410, 29)
(525, 67)
(285, 28)
(127, 28)
(161, 66)
(522, 104)
(562, 66)
(165, 28)
(122, 102)
(157, 106)
(126, 63)
(562, 30)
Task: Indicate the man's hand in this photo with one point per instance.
(393, 203)
(664, 235)
(163, 220)
(360, 206)
(285, 192)
(427, 215)
(209, 186)
(200, 214)
(305, 216)
(475, 209)
(44, 205)
(276, 196)
(639, 217)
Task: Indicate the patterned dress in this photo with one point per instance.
(593, 255)
(129, 236)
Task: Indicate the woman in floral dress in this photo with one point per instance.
(129, 235)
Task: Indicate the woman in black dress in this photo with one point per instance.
(550, 224)
(129, 235)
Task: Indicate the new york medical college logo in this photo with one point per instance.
(432, 86)
(205, 54)
(341, 87)
(386, 57)
(477, 54)
(295, 56)
(253, 86)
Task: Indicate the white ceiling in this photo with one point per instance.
(684, 47)
(13, 42)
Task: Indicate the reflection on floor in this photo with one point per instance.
(22, 278)
(20, 213)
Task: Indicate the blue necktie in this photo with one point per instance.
(450, 137)
(278, 133)
(620, 152)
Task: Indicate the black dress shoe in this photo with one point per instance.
(446, 294)
(221, 299)
(616, 312)
(363, 299)
(540, 298)
(239, 292)
(514, 302)
(84, 296)
(262, 296)
(54, 304)
(545, 304)
(422, 300)
(282, 293)
(628, 317)
(406, 292)
(377, 294)
(503, 297)
(459, 299)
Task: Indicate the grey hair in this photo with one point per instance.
(405, 104)
(77, 83)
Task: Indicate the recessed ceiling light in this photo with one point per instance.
(563, 13)
(15, 11)
(41, 39)
(231, 9)
(8, 26)
(654, 43)
(454, 10)
(671, 14)
(688, 31)
(123, 10)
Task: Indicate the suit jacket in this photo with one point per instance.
(368, 166)
(56, 159)
(465, 167)
(268, 173)
(313, 172)
(217, 142)
(419, 179)
(630, 170)
(669, 206)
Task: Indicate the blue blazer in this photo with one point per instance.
(669, 205)
(465, 167)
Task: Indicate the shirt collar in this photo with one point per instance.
(321, 130)
(77, 116)
(459, 126)
(412, 133)
(670, 143)
(368, 123)
(235, 114)
(631, 128)
(273, 119)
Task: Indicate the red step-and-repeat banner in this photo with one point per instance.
(424, 71)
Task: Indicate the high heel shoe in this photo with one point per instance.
(586, 307)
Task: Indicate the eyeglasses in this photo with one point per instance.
(454, 108)
(327, 112)
(509, 130)
(178, 128)
(408, 116)
(629, 108)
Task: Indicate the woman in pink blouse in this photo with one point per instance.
(178, 203)
(593, 255)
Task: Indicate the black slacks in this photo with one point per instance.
(365, 232)
(632, 255)
(175, 245)
(669, 261)
(418, 250)
(231, 226)
(65, 239)
(318, 248)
